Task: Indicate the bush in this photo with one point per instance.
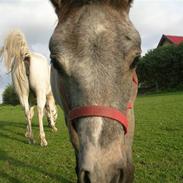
(162, 68)
(10, 96)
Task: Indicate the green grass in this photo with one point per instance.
(158, 145)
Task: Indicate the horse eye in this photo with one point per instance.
(58, 66)
(135, 62)
(55, 64)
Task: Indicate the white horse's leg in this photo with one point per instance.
(32, 112)
(31, 115)
(54, 128)
(51, 112)
(25, 104)
(41, 101)
(50, 119)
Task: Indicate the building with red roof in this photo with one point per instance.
(169, 39)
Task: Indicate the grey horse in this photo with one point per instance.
(94, 52)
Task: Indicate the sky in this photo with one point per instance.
(37, 19)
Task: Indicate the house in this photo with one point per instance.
(169, 39)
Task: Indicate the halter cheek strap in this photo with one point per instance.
(101, 111)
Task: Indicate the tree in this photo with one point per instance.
(10, 96)
(162, 68)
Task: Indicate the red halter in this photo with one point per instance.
(102, 111)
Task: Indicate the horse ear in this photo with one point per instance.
(56, 3)
(130, 2)
(120, 4)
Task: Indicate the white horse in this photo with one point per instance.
(30, 72)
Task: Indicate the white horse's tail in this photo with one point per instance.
(15, 50)
(1, 51)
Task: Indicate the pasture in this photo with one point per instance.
(158, 145)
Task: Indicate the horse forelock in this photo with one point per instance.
(81, 2)
(63, 7)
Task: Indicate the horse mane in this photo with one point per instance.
(63, 5)
(13, 53)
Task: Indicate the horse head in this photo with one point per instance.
(94, 52)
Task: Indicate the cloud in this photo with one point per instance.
(35, 18)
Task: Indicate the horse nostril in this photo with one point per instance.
(118, 178)
(85, 177)
(121, 176)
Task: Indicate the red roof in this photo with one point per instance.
(175, 39)
(171, 39)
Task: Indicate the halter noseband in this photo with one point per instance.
(101, 111)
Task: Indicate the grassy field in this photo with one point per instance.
(158, 145)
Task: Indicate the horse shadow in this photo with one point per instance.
(3, 124)
(6, 132)
(4, 127)
(4, 157)
(15, 124)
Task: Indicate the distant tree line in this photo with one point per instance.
(162, 68)
(9, 96)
